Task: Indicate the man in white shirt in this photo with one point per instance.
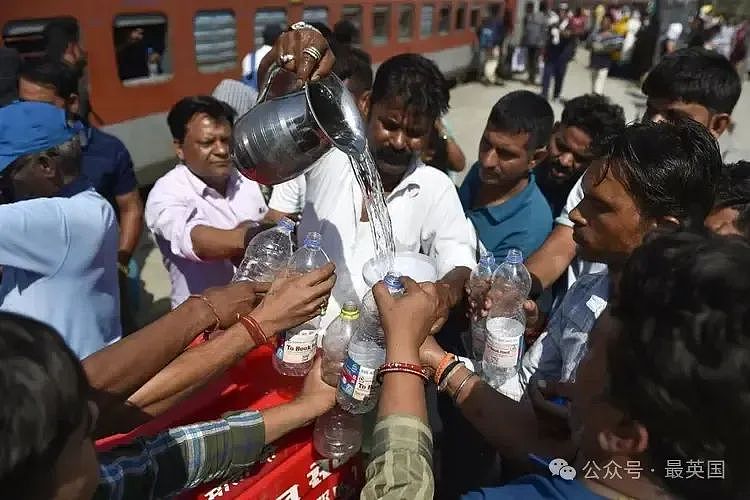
(251, 62)
(203, 212)
(408, 94)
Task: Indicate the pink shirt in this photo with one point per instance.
(178, 202)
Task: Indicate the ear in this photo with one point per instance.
(628, 439)
(365, 102)
(537, 157)
(73, 104)
(46, 167)
(178, 150)
(719, 124)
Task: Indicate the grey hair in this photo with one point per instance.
(67, 156)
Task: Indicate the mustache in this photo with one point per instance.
(392, 156)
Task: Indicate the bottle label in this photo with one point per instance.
(357, 381)
(503, 342)
(299, 348)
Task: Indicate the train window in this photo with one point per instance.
(215, 35)
(461, 17)
(405, 22)
(315, 15)
(381, 24)
(353, 14)
(475, 16)
(264, 17)
(444, 21)
(141, 48)
(27, 36)
(425, 20)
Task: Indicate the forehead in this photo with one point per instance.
(695, 111)
(517, 141)
(28, 89)
(575, 138)
(395, 108)
(600, 182)
(203, 124)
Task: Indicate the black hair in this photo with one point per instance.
(529, 7)
(414, 79)
(324, 29)
(524, 112)
(58, 34)
(45, 394)
(671, 169)
(354, 64)
(51, 73)
(695, 75)
(271, 33)
(596, 115)
(734, 191)
(680, 365)
(345, 32)
(543, 7)
(187, 107)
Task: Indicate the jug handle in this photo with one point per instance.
(272, 72)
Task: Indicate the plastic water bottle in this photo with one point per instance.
(480, 282)
(295, 348)
(358, 389)
(338, 434)
(506, 321)
(370, 313)
(267, 254)
(336, 342)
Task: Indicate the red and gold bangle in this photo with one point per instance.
(253, 328)
(448, 358)
(402, 368)
(213, 310)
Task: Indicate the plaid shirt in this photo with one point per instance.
(181, 458)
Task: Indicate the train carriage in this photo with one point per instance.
(198, 43)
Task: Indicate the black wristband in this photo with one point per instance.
(447, 371)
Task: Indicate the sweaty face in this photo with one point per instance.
(395, 135)
(205, 149)
(608, 225)
(723, 221)
(503, 157)
(569, 154)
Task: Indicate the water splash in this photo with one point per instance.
(369, 181)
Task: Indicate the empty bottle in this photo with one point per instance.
(267, 254)
(480, 282)
(506, 321)
(358, 389)
(295, 348)
(336, 342)
(338, 434)
(511, 283)
(370, 313)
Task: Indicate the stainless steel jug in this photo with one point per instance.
(282, 137)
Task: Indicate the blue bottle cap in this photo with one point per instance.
(393, 281)
(286, 224)
(312, 241)
(515, 256)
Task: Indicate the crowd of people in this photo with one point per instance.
(635, 235)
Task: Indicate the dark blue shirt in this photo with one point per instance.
(533, 487)
(107, 164)
(523, 221)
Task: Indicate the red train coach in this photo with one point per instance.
(200, 42)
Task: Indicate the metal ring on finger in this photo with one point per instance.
(302, 25)
(313, 52)
(286, 59)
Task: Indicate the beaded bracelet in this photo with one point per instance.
(402, 368)
(447, 359)
(213, 310)
(253, 328)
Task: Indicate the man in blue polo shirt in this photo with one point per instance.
(500, 194)
(59, 239)
(106, 162)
